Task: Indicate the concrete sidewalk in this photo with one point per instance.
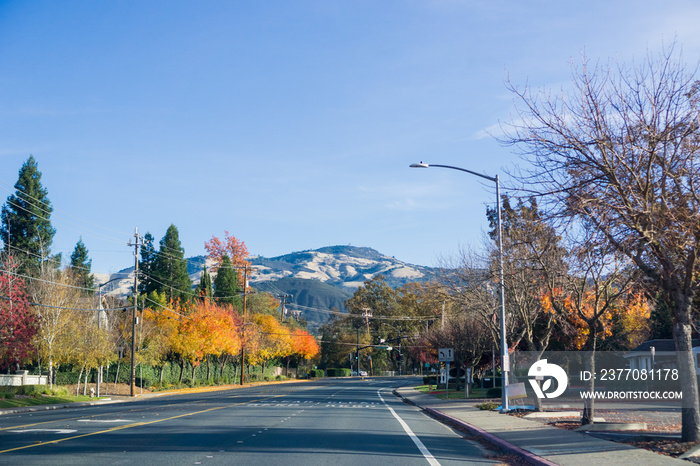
(537, 443)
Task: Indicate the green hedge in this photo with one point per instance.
(494, 392)
(150, 376)
(316, 373)
(338, 372)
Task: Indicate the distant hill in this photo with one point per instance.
(345, 266)
(310, 297)
(321, 278)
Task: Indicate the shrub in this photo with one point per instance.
(316, 373)
(30, 390)
(338, 372)
(8, 395)
(494, 392)
(490, 406)
(432, 380)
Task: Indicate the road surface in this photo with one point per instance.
(327, 421)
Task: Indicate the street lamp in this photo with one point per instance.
(505, 362)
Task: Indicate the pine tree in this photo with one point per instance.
(147, 265)
(170, 268)
(26, 229)
(226, 283)
(81, 266)
(205, 290)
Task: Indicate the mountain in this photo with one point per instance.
(318, 279)
(309, 299)
(344, 266)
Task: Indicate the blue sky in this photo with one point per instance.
(289, 124)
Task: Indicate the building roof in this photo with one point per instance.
(663, 345)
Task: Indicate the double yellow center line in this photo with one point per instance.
(135, 424)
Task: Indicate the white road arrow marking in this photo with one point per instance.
(53, 431)
(104, 420)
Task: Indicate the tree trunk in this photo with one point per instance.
(194, 369)
(87, 374)
(116, 378)
(51, 373)
(588, 403)
(182, 370)
(77, 389)
(682, 331)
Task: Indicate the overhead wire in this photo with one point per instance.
(123, 308)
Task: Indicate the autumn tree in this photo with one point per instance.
(466, 334)
(230, 246)
(599, 288)
(303, 346)
(17, 322)
(26, 229)
(620, 151)
(533, 261)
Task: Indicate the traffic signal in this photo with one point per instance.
(357, 355)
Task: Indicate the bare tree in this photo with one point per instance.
(621, 151)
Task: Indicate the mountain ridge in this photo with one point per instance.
(321, 278)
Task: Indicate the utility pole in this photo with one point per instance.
(99, 317)
(442, 325)
(357, 353)
(283, 298)
(135, 244)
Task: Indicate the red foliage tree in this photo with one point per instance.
(17, 321)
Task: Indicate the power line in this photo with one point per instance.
(7, 298)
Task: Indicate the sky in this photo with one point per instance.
(290, 124)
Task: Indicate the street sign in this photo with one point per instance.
(446, 354)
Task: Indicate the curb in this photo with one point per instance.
(492, 439)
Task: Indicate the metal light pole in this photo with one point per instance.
(505, 361)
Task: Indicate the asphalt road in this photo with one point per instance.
(330, 421)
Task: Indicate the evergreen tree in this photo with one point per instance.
(205, 290)
(226, 283)
(170, 268)
(26, 228)
(81, 266)
(147, 265)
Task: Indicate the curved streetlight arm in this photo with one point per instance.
(425, 165)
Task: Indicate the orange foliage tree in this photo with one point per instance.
(304, 346)
(231, 246)
(206, 330)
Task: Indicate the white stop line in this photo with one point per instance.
(426, 454)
